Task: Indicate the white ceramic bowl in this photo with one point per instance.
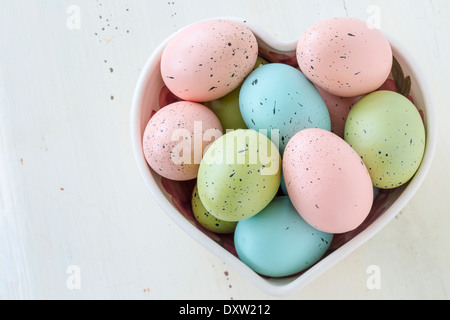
(386, 206)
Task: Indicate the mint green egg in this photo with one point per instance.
(387, 131)
(239, 175)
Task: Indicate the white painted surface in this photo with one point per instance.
(71, 194)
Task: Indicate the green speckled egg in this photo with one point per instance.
(239, 175)
(208, 221)
(387, 131)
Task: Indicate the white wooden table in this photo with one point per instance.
(76, 220)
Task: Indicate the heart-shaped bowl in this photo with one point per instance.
(175, 197)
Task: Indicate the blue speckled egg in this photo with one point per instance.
(277, 242)
(278, 96)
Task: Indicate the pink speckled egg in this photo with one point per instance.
(208, 59)
(176, 137)
(327, 181)
(345, 56)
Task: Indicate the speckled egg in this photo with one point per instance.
(208, 221)
(387, 131)
(239, 175)
(345, 56)
(277, 242)
(176, 136)
(208, 59)
(327, 181)
(279, 97)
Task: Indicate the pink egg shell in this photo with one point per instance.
(339, 108)
(174, 130)
(345, 56)
(327, 181)
(208, 59)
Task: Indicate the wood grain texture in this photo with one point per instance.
(71, 194)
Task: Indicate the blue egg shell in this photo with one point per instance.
(277, 242)
(278, 96)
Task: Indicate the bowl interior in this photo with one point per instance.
(175, 197)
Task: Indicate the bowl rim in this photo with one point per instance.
(267, 286)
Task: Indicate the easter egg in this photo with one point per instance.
(345, 56)
(239, 175)
(387, 131)
(327, 181)
(277, 242)
(279, 99)
(208, 59)
(173, 140)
